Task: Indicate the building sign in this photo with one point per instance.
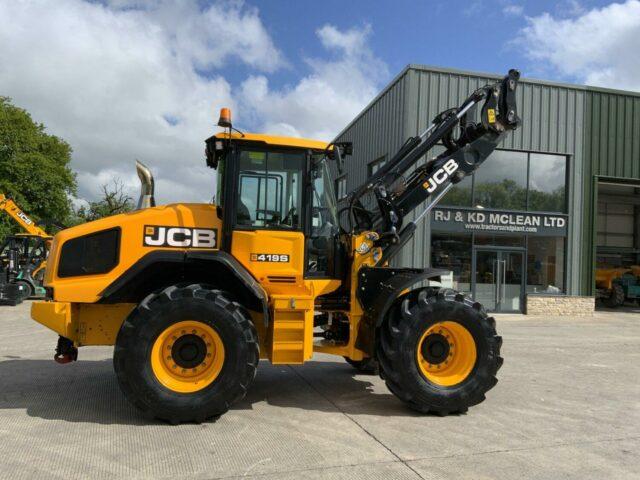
(460, 220)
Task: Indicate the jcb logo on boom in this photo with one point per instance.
(440, 176)
(24, 218)
(180, 237)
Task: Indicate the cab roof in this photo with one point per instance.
(275, 140)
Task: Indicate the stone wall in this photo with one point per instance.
(560, 305)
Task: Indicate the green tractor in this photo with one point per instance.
(630, 284)
(614, 286)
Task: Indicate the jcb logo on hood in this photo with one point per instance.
(440, 176)
(179, 237)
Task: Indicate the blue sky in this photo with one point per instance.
(144, 79)
(470, 35)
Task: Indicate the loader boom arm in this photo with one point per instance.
(20, 217)
(467, 145)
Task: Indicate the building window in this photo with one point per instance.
(459, 195)
(529, 247)
(545, 264)
(341, 187)
(377, 164)
(453, 252)
(501, 181)
(510, 180)
(547, 182)
(500, 240)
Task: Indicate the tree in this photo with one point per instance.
(34, 168)
(506, 194)
(114, 201)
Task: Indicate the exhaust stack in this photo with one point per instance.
(146, 199)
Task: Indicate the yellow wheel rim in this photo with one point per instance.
(446, 353)
(187, 356)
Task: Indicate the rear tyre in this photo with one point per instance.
(368, 365)
(616, 296)
(25, 289)
(438, 351)
(186, 354)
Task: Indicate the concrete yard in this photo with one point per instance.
(567, 406)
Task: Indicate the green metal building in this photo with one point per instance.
(532, 214)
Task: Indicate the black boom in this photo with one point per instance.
(464, 153)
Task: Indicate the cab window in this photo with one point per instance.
(270, 189)
(218, 197)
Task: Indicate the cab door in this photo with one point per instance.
(324, 256)
(268, 233)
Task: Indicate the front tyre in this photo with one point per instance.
(616, 296)
(25, 289)
(438, 351)
(186, 354)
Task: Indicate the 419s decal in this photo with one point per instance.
(269, 257)
(180, 237)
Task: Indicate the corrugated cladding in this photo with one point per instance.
(611, 150)
(597, 129)
(377, 131)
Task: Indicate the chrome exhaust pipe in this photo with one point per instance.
(146, 199)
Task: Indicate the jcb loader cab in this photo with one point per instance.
(193, 295)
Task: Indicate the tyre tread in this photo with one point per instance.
(144, 311)
(411, 307)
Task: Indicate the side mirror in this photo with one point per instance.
(346, 147)
(340, 150)
(339, 160)
(214, 150)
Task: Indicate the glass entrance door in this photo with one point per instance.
(498, 279)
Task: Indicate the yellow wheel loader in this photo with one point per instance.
(192, 296)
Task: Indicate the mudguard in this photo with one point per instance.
(162, 268)
(378, 287)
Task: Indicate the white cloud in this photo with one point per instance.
(598, 46)
(132, 79)
(333, 93)
(513, 10)
(473, 8)
(120, 81)
(206, 38)
(570, 8)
